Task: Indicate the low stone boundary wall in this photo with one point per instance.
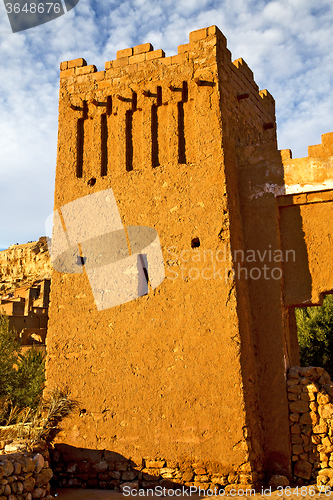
(310, 394)
(24, 475)
(103, 471)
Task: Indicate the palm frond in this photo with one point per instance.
(42, 422)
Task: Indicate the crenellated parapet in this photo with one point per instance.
(323, 150)
(144, 58)
(152, 111)
(311, 173)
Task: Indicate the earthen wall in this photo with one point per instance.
(194, 371)
(153, 129)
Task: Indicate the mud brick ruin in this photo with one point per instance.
(27, 311)
(187, 383)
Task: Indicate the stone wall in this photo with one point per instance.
(23, 474)
(310, 394)
(108, 470)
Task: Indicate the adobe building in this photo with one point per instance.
(188, 381)
(27, 311)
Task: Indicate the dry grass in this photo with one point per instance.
(39, 423)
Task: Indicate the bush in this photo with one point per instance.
(22, 376)
(27, 385)
(9, 348)
(315, 335)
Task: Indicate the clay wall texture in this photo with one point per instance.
(163, 353)
(195, 370)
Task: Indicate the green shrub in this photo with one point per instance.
(315, 335)
(22, 376)
(9, 348)
(28, 382)
(24, 413)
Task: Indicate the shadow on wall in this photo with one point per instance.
(272, 250)
(103, 469)
(306, 226)
(297, 277)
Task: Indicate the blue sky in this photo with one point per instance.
(286, 43)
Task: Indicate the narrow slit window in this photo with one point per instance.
(104, 145)
(154, 137)
(134, 101)
(85, 110)
(79, 147)
(159, 96)
(181, 134)
(185, 92)
(129, 141)
(181, 125)
(109, 105)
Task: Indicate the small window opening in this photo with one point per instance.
(81, 260)
(195, 243)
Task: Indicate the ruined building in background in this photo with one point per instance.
(27, 311)
(22, 265)
(186, 383)
(25, 272)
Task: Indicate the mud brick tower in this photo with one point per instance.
(187, 380)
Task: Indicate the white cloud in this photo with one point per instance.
(287, 43)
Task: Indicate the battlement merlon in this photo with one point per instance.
(311, 173)
(143, 57)
(323, 150)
